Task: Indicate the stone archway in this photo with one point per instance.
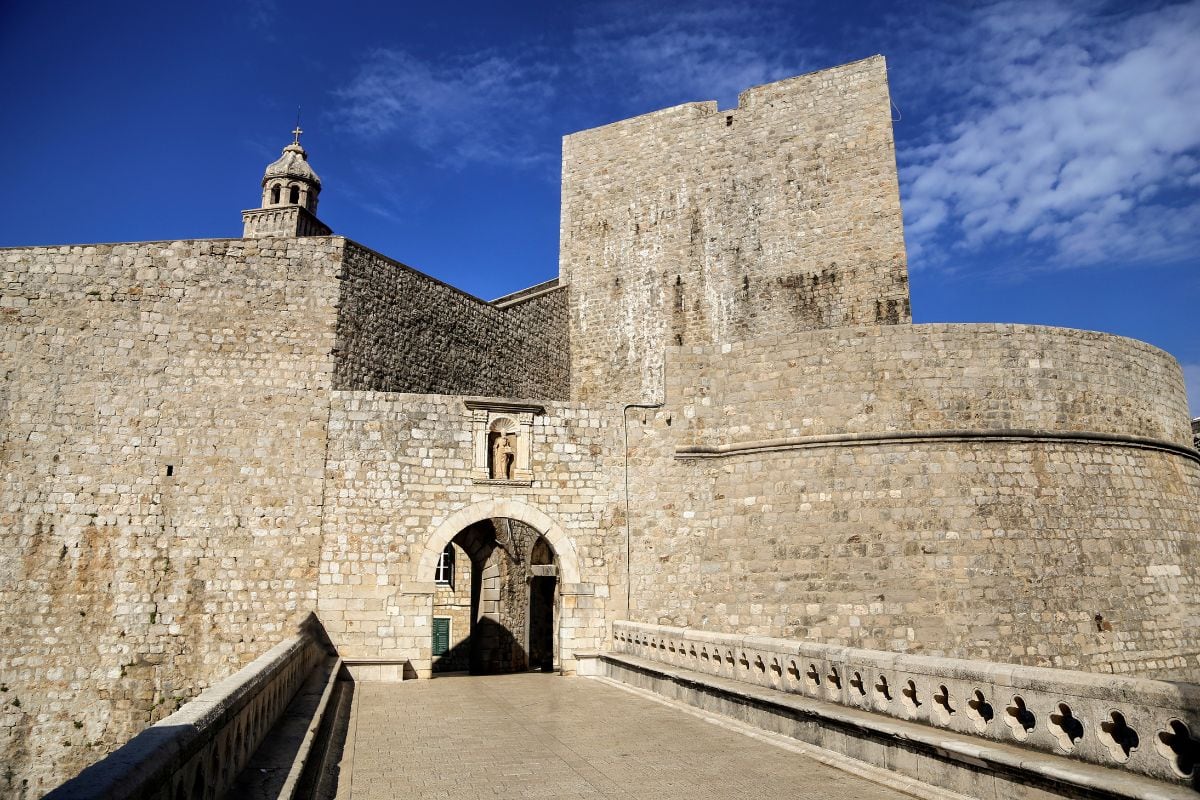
(564, 548)
(495, 625)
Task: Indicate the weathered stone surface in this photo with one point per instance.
(165, 407)
(204, 440)
(401, 331)
(693, 226)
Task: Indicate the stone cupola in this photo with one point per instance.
(289, 197)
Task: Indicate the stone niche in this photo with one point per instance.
(503, 433)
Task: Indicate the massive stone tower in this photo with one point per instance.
(692, 226)
(289, 197)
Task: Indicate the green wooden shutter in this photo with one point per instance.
(441, 636)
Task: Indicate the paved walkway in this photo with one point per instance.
(544, 736)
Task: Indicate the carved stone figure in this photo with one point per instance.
(502, 458)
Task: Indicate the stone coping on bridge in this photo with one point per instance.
(1148, 727)
(916, 758)
(198, 751)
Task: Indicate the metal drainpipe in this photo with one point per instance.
(628, 546)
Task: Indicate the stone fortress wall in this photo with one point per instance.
(402, 331)
(164, 412)
(1009, 493)
(204, 440)
(166, 407)
(820, 467)
(400, 472)
(880, 380)
(692, 225)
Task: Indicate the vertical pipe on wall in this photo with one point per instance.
(628, 546)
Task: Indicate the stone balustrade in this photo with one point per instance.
(198, 752)
(1149, 727)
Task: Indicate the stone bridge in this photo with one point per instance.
(664, 711)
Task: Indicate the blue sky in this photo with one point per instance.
(1049, 152)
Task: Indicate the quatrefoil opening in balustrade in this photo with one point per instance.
(1019, 719)
(812, 678)
(835, 682)
(908, 698)
(942, 710)
(1120, 739)
(883, 693)
(1178, 746)
(856, 683)
(979, 711)
(1066, 728)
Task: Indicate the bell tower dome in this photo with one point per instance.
(289, 197)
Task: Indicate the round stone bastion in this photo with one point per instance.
(1013, 493)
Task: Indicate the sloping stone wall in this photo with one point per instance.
(401, 331)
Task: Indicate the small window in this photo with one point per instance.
(444, 574)
(294, 195)
(275, 194)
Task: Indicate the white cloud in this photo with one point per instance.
(666, 57)
(496, 108)
(1191, 378)
(261, 15)
(1075, 133)
(470, 109)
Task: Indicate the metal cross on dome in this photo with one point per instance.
(297, 133)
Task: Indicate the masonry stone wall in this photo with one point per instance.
(884, 380)
(453, 601)
(693, 225)
(203, 440)
(164, 408)
(401, 331)
(1075, 552)
(400, 466)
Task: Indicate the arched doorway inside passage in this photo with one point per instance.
(498, 569)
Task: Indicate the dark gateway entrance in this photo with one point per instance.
(496, 605)
(543, 583)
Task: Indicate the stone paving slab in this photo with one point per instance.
(543, 736)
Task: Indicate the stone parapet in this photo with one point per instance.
(198, 751)
(888, 380)
(1142, 726)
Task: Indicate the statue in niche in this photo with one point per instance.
(503, 456)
